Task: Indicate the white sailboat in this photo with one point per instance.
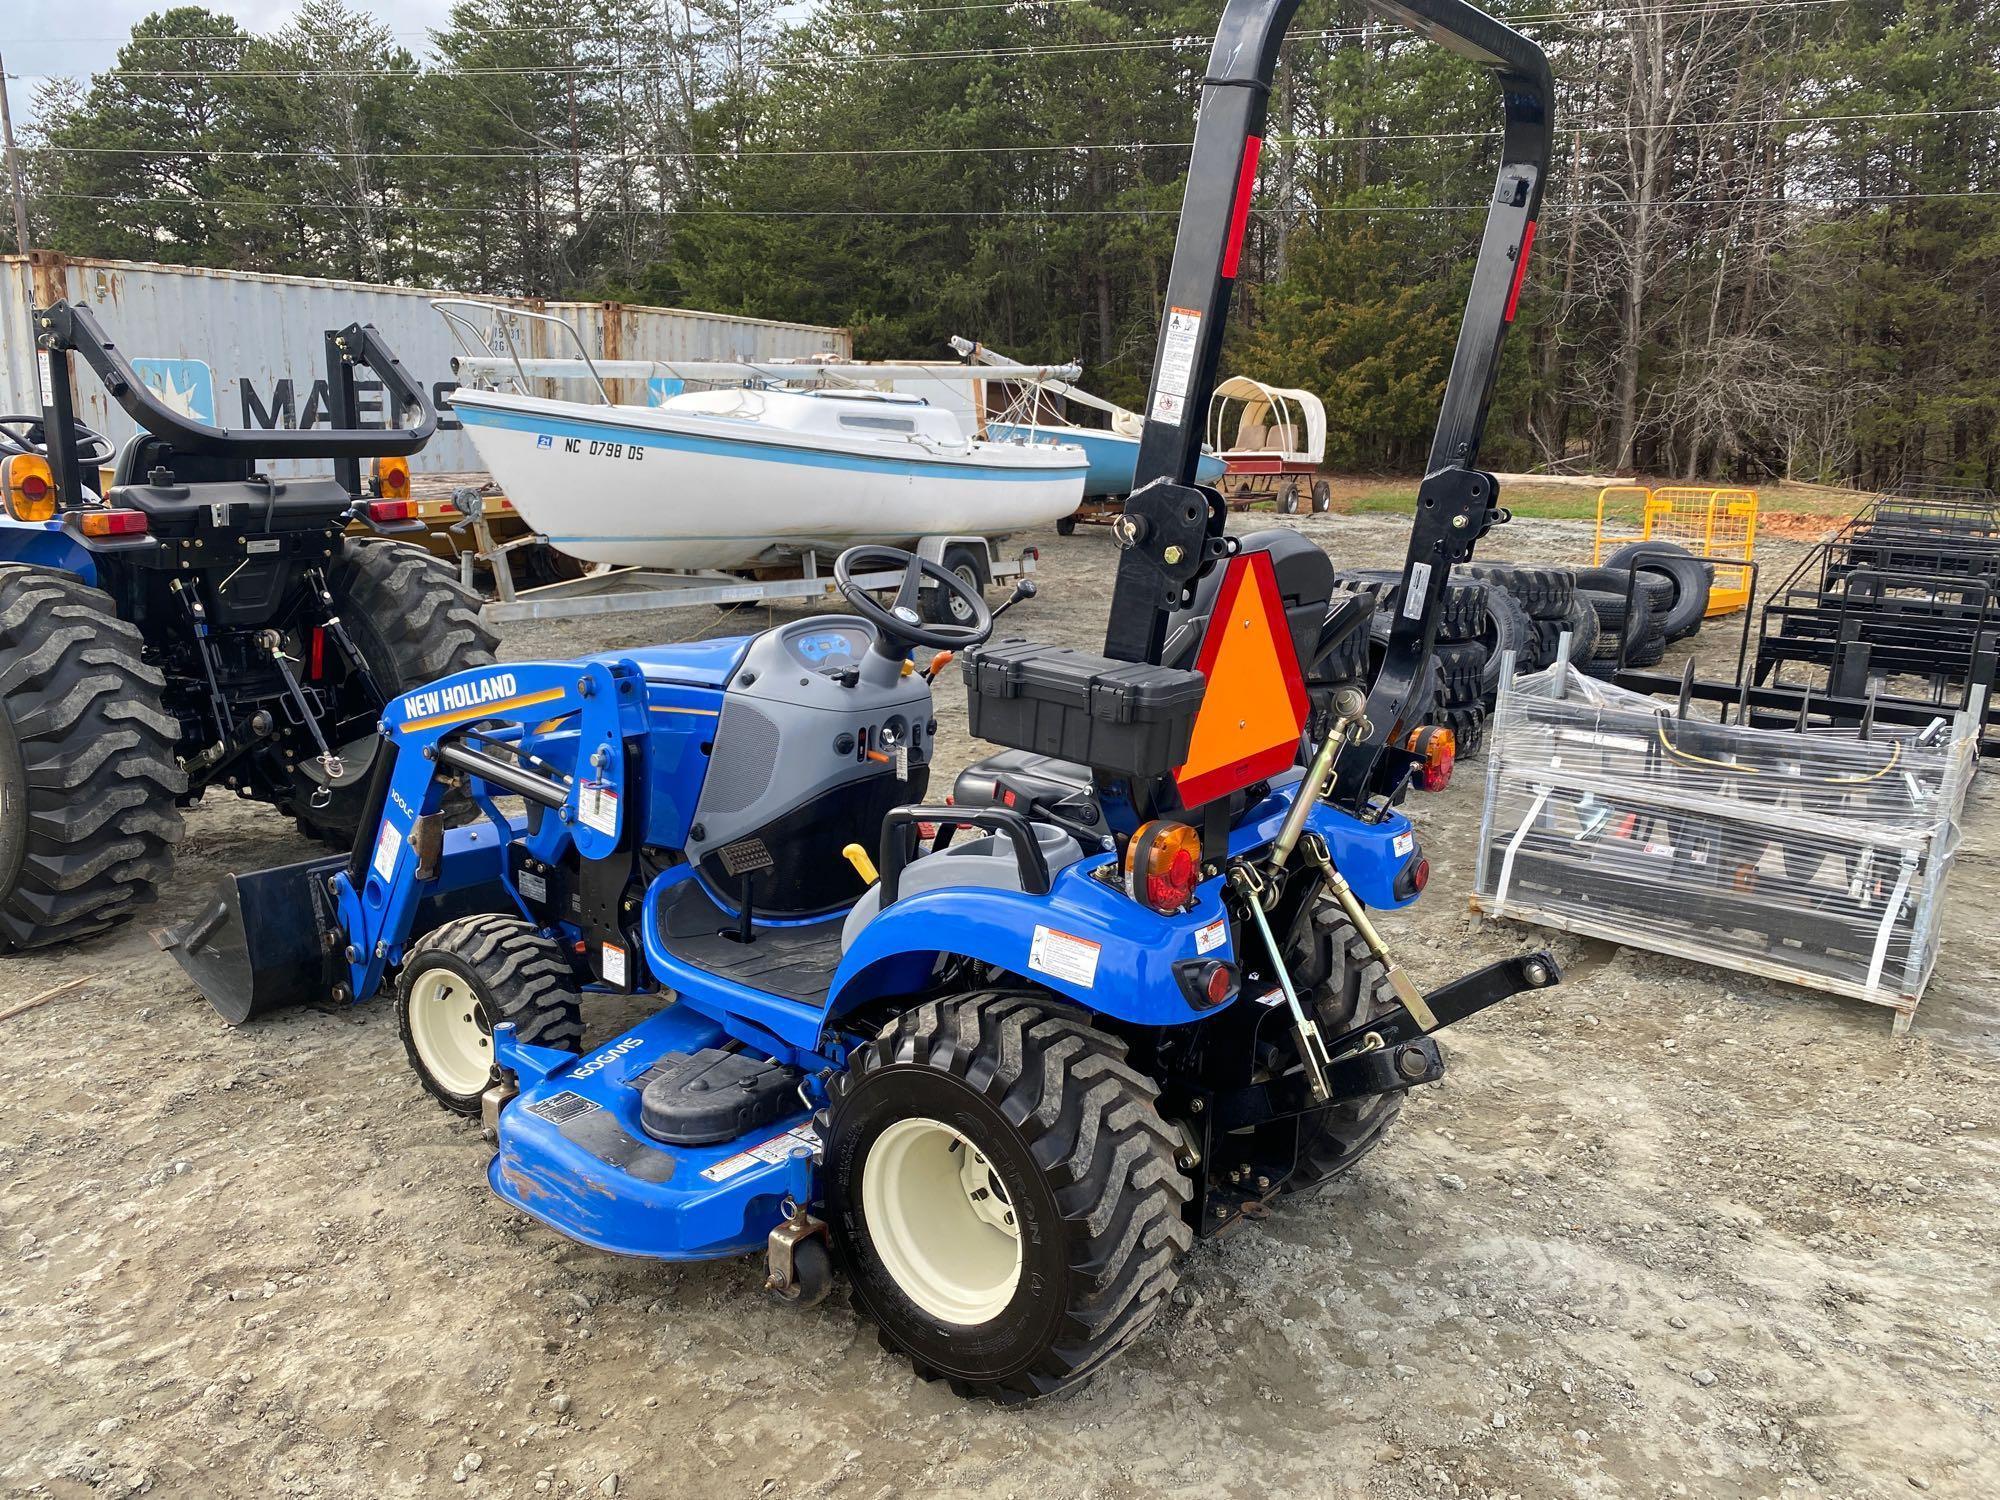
(731, 477)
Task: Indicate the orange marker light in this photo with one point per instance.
(1163, 866)
(28, 486)
(1437, 748)
(392, 478)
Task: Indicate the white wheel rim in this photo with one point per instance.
(451, 1033)
(941, 1221)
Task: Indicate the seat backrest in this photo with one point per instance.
(1305, 585)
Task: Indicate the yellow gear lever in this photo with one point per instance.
(863, 865)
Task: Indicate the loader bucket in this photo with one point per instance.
(267, 943)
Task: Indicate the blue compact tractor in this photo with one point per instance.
(1001, 1057)
(174, 619)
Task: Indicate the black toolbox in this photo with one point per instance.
(1122, 716)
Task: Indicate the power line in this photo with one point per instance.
(1549, 210)
(256, 153)
(965, 54)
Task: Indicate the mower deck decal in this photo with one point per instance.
(484, 710)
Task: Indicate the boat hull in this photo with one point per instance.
(642, 486)
(1114, 457)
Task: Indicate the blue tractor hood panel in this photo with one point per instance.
(693, 663)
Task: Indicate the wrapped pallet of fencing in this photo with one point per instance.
(1817, 857)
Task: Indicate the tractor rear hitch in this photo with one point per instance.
(1453, 1001)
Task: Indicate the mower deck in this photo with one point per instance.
(574, 1153)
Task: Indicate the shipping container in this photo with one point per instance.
(239, 349)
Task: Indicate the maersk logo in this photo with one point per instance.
(454, 696)
(543, 440)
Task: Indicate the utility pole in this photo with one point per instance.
(13, 166)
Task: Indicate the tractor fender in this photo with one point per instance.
(1085, 939)
(47, 545)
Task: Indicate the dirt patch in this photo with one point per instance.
(1663, 1231)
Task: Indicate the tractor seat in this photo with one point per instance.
(1028, 776)
(987, 863)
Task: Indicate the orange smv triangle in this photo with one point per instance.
(1255, 707)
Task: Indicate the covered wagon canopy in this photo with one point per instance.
(1273, 420)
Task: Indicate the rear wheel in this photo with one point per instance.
(88, 777)
(1348, 987)
(1322, 497)
(468, 977)
(413, 622)
(1066, 525)
(1003, 1194)
(1288, 498)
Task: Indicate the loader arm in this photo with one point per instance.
(1172, 531)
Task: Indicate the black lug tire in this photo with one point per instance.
(1348, 987)
(1339, 659)
(1085, 1157)
(89, 782)
(1542, 592)
(1467, 723)
(540, 565)
(939, 607)
(413, 622)
(515, 974)
(1507, 628)
(1687, 605)
(1461, 669)
(1580, 620)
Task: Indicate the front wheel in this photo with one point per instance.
(1010, 1259)
(1322, 497)
(1288, 498)
(468, 977)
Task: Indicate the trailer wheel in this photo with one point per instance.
(1288, 498)
(466, 978)
(1349, 987)
(1322, 497)
(1066, 525)
(943, 607)
(413, 622)
(88, 779)
(1003, 1194)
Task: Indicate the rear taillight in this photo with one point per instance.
(383, 511)
(112, 523)
(1414, 877)
(1207, 982)
(1436, 750)
(1163, 866)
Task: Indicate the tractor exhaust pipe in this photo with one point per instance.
(270, 941)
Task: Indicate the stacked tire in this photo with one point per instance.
(1477, 624)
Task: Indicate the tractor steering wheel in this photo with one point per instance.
(900, 622)
(27, 434)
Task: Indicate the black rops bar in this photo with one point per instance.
(68, 327)
(1172, 531)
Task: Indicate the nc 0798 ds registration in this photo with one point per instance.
(597, 449)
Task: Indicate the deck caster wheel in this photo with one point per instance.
(812, 1275)
(468, 977)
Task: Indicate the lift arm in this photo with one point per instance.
(1172, 531)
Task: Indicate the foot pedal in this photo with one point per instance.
(702, 1098)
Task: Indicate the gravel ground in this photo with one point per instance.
(1663, 1231)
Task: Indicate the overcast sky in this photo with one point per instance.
(40, 37)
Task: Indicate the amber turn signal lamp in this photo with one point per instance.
(392, 478)
(29, 487)
(1163, 866)
(1436, 749)
(102, 523)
